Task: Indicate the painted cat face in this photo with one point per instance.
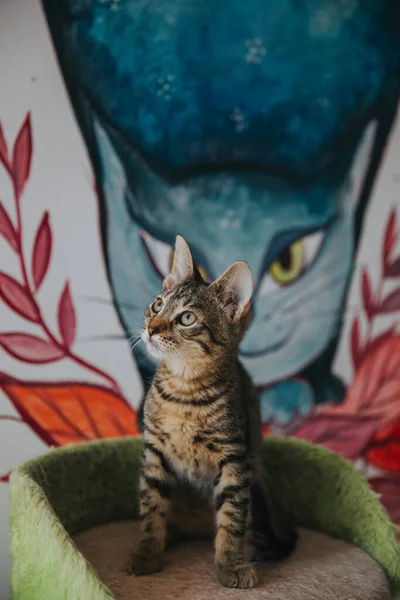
(241, 138)
(298, 243)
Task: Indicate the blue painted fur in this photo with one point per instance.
(237, 124)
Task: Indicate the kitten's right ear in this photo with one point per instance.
(235, 289)
(183, 265)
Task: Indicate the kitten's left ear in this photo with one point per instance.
(183, 266)
(235, 288)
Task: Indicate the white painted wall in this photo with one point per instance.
(61, 182)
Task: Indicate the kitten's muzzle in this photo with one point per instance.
(157, 325)
(153, 329)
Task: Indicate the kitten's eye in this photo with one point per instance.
(157, 305)
(161, 256)
(188, 318)
(291, 262)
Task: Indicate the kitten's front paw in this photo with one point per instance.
(240, 575)
(144, 564)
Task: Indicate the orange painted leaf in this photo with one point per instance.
(375, 389)
(380, 339)
(63, 413)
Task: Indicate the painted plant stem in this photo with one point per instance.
(18, 180)
(68, 353)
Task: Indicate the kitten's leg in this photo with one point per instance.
(155, 493)
(274, 538)
(232, 502)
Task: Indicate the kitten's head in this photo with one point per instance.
(192, 320)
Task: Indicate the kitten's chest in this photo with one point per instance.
(189, 456)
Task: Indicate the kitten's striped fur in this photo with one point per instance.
(202, 431)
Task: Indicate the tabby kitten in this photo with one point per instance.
(202, 426)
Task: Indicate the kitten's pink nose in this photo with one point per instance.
(152, 329)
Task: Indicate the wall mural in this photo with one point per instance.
(257, 141)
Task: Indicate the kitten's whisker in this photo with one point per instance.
(134, 330)
(132, 341)
(134, 335)
(135, 346)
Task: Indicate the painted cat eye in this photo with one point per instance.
(157, 305)
(291, 262)
(188, 318)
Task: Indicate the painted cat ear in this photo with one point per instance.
(183, 266)
(235, 288)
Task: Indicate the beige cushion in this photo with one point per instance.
(320, 569)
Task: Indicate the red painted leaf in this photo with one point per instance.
(345, 434)
(357, 351)
(375, 389)
(391, 303)
(29, 348)
(17, 298)
(41, 251)
(66, 413)
(367, 294)
(389, 240)
(67, 317)
(384, 448)
(389, 488)
(265, 428)
(5, 478)
(7, 229)
(22, 155)
(380, 339)
(3, 148)
(393, 269)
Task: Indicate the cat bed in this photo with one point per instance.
(72, 527)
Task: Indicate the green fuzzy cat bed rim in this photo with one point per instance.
(78, 487)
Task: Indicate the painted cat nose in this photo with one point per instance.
(152, 329)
